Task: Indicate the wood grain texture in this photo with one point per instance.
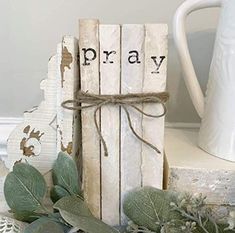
(35, 138)
(38, 131)
(68, 84)
(131, 82)
(89, 39)
(154, 81)
(110, 122)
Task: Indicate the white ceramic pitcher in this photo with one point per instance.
(217, 109)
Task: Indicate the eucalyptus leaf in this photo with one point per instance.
(65, 174)
(56, 217)
(26, 216)
(24, 188)
(44, 225)
(77, 214)
(150, 207)
(57, 192)
(74, 205)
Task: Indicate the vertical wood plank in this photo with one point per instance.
(131, 82)
(110, 84)
(154, 81)
(68, 82)
(89, 68)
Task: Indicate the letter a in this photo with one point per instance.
(133, 58)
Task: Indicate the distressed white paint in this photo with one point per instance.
(110, 122)
(67, 86)
(88, 38)
(153, 129)
(38, 129)
(193, 170)
(39, 119)
(131, 82)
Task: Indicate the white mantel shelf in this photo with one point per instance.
(190, 169)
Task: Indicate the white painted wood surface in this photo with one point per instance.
(89, 39)
(154, 81)
(67, 87)
(34, 139)
(110, 122)
(131, 82)
(193, 170)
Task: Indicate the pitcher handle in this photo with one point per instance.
(179, 34)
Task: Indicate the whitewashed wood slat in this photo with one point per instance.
(34, 139)
(154, 81)
(110, 122)
(131, 82)
(67, 87)
(89, 68)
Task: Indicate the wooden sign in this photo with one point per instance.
(121, 60)
(48, 128)
(89, 66)
(132, 77)
(110, 121)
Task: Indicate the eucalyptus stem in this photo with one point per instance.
(45, 209)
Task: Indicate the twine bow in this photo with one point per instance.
(86, 100)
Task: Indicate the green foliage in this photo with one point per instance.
(57, 192)
(27, 216)
(154, 211)
(65, 174)
(24, 188)
(150, 207)
(76, 213)
(44, 225)
(149, 210)
(194, 210)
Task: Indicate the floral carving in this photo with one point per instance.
(31, 144)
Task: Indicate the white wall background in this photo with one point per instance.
(30, 30)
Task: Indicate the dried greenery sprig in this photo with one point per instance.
(195, 210)
(166, 212)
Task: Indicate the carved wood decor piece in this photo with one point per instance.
(48, 128)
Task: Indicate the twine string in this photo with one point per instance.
(86, 100)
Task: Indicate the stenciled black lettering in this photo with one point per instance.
(107, 55)
(89, 55)
(134, 57)
(158, 64)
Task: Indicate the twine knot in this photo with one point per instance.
(86, 100)
(113, 100)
